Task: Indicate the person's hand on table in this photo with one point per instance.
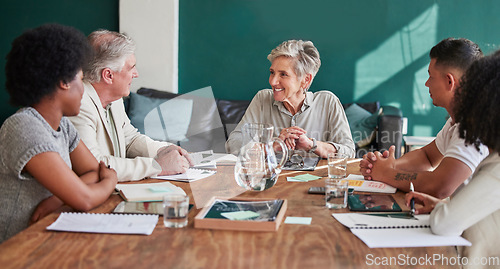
(369, 159)
(304, 142)
(427, 202)
(173, 160)
(45, 207)
(290, 135)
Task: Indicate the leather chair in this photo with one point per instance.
(213, 121)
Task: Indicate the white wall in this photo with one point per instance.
(154, 26)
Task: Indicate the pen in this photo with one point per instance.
(412, 202)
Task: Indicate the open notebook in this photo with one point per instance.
(396, 232)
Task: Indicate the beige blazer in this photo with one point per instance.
(137, 150)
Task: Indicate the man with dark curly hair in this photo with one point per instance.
(474, 211)
(103, 124)
(440, 167)
(43, 162)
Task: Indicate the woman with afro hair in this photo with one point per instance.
(474, 211)
(43, 163)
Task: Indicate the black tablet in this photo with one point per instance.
(373, 203)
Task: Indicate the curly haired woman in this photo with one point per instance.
(474, 212)
(43, 162)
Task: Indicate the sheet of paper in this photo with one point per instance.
(105, 223)
(192, 174)
(401, 238)
(209, 159)
(298, 220)
(203, 159)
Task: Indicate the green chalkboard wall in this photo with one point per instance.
(20, 15)
(370, 49)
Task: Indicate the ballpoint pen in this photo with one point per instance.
(412, 202)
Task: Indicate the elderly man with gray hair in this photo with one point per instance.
(314, 122)
(103, 124)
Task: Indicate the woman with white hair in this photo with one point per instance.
(313, 122)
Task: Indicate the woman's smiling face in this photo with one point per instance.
(283, 80)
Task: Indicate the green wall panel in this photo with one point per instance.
(370, 49)
(20, 15)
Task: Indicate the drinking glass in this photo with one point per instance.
(175, 210)
(336, 185)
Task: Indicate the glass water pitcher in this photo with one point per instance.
(257, 167)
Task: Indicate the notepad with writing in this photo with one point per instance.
(389, 232)
(358, 183)
(104, 223)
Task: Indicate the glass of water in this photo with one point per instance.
(175, 210)
(336, 185)
(336, 193)
(337, 165)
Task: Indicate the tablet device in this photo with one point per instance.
(373, 203)
(316, 190)
(139, 208)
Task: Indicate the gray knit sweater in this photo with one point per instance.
(22, 136)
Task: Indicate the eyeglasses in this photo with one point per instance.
(296, 160)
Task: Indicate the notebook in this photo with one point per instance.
(104, 223)
(358, 183)
(262, 210)
(383, 231)
(149, 192)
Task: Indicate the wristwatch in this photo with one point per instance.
(314, 146)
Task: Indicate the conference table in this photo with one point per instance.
(325, 243)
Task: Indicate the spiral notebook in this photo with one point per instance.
(384, 231)
(104, 223)
(147, 192)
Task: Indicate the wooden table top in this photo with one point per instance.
(324, 244)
